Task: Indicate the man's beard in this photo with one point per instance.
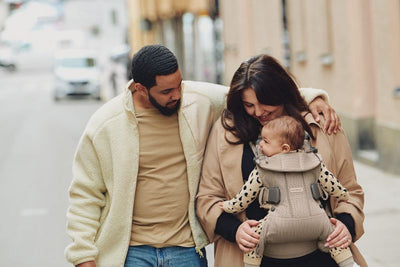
(165, 110)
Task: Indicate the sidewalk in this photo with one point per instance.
(382, 218)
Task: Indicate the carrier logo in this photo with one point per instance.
(296, 189)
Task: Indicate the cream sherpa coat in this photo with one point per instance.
(106, 165)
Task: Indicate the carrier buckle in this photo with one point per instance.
(271, 195)
(315, 191)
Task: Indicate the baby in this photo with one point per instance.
(289, 183)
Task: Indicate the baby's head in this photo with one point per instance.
(281, 135)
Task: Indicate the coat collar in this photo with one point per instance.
(185, 129)
(128, 101)
(230, 162)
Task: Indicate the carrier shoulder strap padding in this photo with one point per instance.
(290, 162)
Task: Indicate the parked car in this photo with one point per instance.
(7, 58)
(77, 73)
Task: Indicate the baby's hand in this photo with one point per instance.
(221, 204)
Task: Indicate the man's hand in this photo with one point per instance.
(87, 264)
(246, 237)
(332, 121)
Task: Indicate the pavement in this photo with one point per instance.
(382, 217)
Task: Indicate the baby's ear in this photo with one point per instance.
(285, 148)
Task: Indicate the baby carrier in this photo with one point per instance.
(297, 223)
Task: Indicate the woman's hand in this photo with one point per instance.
(340, 237)
(332, 121)
(246, 238)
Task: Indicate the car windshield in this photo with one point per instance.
(76, 62)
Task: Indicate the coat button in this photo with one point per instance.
(272, 208)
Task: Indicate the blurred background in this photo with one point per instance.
(61, 59)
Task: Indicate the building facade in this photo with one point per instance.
(349, 48)
(189, 28)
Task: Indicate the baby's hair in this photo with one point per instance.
(289, 130)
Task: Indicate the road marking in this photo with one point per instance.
(34, 212)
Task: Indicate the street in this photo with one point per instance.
(38, 138)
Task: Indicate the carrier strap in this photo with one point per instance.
(253, 147)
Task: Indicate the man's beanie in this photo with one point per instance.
(152, 60)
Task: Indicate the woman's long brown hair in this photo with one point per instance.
(273, 86)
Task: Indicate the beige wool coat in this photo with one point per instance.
(222, 179)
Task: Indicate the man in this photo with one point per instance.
(137, 167)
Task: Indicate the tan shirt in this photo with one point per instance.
(160, 213)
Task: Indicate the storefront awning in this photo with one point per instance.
(165, 9)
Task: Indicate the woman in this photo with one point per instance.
(262, 90)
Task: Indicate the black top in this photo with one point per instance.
(227, 224)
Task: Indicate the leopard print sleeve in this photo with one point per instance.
(331, 185)
(246, 195)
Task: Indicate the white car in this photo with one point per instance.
(7, 58)
(77, 73)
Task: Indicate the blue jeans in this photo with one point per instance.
(146, 256)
